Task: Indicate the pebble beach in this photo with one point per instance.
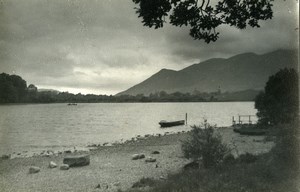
(112, 167)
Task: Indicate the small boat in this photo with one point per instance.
(164, 123)
(72, 103)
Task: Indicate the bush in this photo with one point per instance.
(206, 145)
(287, 149)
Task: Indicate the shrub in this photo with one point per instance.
(247, 158)
(206, 145)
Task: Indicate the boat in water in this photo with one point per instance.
(72, 103)
(164, 123)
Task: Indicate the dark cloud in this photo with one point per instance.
(101, 46)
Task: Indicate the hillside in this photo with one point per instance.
(241, 72)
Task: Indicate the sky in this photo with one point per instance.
(101, 46)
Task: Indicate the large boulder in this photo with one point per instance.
(34, 169)
(77, 160)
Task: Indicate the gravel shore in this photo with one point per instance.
(111, 167)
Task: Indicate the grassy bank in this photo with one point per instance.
(276, 171)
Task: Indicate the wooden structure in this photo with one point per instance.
(242, 119)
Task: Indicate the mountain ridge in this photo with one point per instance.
(236, 73)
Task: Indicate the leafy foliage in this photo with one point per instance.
(12, 88)
(202, 17)
(279, 103)
(205, 144)
(287, 149)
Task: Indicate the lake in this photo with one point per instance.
(36, 127)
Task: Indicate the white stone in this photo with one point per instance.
(52, 164)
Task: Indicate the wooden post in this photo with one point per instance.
(233, 122)
(250, 119)
(239, 119)
(185, 118)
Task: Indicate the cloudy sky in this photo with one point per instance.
(101, 47)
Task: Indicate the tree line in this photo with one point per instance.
(14, 89)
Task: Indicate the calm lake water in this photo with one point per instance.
(37, 127)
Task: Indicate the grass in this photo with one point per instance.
(262, 175)
(275, 171)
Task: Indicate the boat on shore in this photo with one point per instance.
(164, 123)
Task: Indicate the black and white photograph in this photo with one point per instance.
(149, 96)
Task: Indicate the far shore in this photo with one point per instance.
(111, 166)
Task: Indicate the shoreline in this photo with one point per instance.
(112, 166)
(83, 148)
(47, 152)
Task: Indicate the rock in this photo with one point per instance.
(191, 165)
(50, 151)
(34, 169)
(6, 156)
(77, 161)
(137, 156)
(150, 160)
(155, 152)
(64, 167)
(98, 186)
(117, 184)
(68, 151)
(52, 165)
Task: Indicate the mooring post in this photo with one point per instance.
(185, 118)
(233, 122)
(239, 119)
(250, 119)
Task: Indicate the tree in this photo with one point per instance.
(12, 88)
(279, 103)
(202, 17)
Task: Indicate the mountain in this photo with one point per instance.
(247, 71)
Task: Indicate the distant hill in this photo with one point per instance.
(246, 71)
